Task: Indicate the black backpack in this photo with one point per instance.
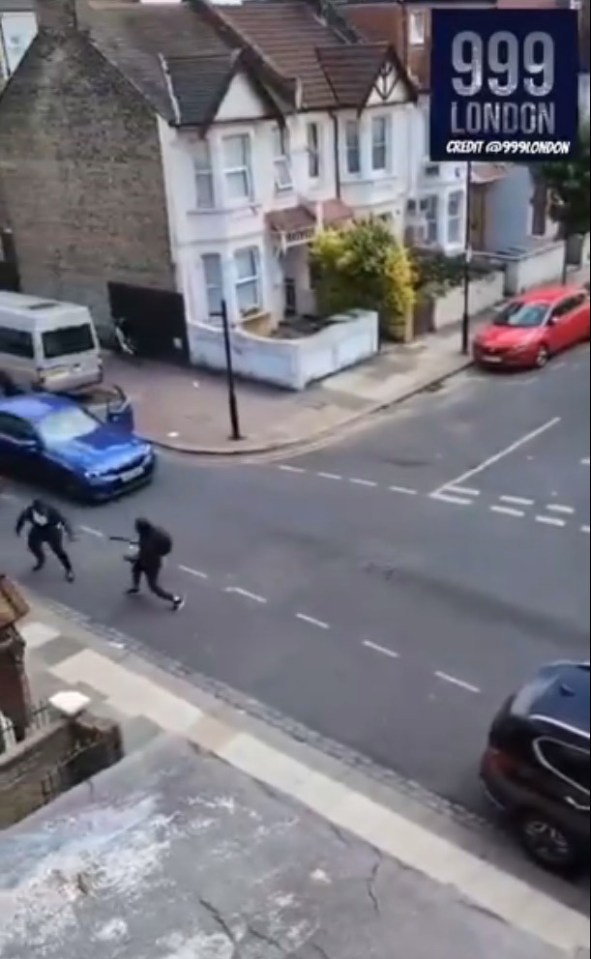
(162, 542)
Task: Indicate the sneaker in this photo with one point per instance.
(132, 591)
(70, 576)
(37, 567)
(178, 603)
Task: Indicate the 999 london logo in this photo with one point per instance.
(504, 85)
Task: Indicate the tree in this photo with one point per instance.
(362, 266)
(568, 185)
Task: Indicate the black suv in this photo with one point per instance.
(536, 766)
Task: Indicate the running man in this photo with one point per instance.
(153, 545)
(46, 528)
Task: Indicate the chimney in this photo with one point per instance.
(56, 16)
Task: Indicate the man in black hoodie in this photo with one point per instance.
(153, 544)
(46, 528)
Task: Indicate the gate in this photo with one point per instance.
(155, 320)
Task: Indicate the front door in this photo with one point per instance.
(290, 297)
(477, 216)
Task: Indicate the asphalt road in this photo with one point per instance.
(387, 591)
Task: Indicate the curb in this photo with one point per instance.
(245, 448)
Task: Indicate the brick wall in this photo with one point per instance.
(82, 180)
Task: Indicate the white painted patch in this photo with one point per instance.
(173, 435)
(448, 498)
(585, 529)
(291, 469)
(517, 500)
(9, 497)
(403, 489)
(238, 591)
(464, 490)
(312, 621)
(361, 482)
(198, 573)
(92, 531)
(454, 681)
(507, 510)
(585, 462)
(380, 649)
(330, 476)
(550, 521)
(559, 508)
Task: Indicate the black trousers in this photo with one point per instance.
(151, 571)
(52, 537)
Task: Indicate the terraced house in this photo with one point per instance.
(195, 150)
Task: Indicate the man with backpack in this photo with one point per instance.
(153, 544)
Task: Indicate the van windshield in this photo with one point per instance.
(66, 425)
(66, 340)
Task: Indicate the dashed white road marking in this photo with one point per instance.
(292, 469)
(197, 573)
(559, 508)
(517, 500)
(239, 591)
(361, 482)
(380, 649)
(491, 460)
(10, 497)
(506, 510)
(92, 532)
(463, 490)
(330, 476)
(448, 498)
(585, 529)
(403, 489)
(550, 520)
(454, 681)
(312, 621)
(585, 462)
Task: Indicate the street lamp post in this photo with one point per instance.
(232, 401)
(467, 261)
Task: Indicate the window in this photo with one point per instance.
(237, 167)
(204, 176)
(248, 281)
(15, 428)
(281, 159)
(525, 316)
(313, 142)
(68, 340)
(454, 217)
(570, 763)
(67, 425)
(212, 271)
(379, 143)
(16, 343)
(352, 146)
(430, 205)
(416, 28)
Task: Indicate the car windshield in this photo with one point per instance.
(522, 315)
(66, 425)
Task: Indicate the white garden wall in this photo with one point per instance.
(534, 267)
(484, 293)
(292, 364)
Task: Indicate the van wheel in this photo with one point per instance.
(548, 844)
(7, 387)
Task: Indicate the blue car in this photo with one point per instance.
(55, 441)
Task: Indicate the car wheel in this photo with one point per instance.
(542, 357)
(548, 844)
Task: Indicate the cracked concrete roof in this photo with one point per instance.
(175, 855)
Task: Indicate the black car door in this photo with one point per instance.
(568, 767)
(20, 447)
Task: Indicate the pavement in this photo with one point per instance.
(221, 836)
(379, 596)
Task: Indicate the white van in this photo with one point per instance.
(46, 345)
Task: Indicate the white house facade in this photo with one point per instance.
(246, 196)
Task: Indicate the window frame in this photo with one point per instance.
(416, 28)
(353, 149)
(457, 218)
(255, 280)
(314, 150)
(29, 432)
(383, 145)
(282, 172)
(244, 170)
(431, 204)
(550, 765)
(209, 286)
(203, 173)
(21, 354)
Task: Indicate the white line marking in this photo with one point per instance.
(92, 532)
(585, 462)
(458, 500)
(292, 469)
(457, 682)
(464, 490)
(332, 476)
(558, 508)
(361, 482)
(501, 454)
(11, 497)
(507, 510)
(194, 572)
(585, 529)
(550, 520)
(312, 621)
(518, 500)
(403, 489)
(381, 649)
(246, 593)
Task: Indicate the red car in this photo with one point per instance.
(528, 330)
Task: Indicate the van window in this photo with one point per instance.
(67, 340)
(16, 343)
